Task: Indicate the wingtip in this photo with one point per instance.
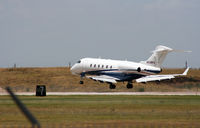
(186, 71)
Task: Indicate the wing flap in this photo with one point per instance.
(104, 78)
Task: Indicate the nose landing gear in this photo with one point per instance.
(81, 81)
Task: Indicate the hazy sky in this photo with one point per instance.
(56, 32)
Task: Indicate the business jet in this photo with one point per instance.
(113, 71)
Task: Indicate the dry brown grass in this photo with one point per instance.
(61, 79)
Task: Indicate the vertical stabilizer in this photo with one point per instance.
(158, 56)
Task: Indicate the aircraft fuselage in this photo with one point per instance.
(124, 70)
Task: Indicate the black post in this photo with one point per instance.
(23, 109)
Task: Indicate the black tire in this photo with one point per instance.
(112, 86)
(129, 86)
(81, 82)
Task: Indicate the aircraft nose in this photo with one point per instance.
(73, 69)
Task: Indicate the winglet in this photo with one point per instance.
(186, 71)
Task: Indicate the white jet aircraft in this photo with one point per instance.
(113, 71)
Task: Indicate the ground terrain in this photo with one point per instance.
(60, 79)
(99, 111)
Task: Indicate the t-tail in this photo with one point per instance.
(158, 56)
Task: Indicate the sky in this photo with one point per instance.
(51, 33)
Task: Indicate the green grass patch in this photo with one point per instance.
(104, 111)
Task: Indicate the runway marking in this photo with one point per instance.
(107, 93)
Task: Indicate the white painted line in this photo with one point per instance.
(107, 93)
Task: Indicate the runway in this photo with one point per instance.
(107, 93)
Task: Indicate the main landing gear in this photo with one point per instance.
(81, 82)
(112, 86)
(129, 85)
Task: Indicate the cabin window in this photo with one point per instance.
(102, 66)
(95, 65)
(106, 66)
(90, 65)
(98, 66)
(110, 67)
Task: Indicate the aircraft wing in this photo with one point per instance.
(160, 77)
(104, 78)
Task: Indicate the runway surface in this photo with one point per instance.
(107, 93)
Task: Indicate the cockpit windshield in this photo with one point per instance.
(79, 61)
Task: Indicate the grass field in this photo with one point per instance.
(104, 111)
(60, 79)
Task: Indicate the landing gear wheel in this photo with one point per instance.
(129, 85)
(81, 82)
(112, 86)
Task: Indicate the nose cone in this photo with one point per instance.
(72, 69)
(75, 69)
